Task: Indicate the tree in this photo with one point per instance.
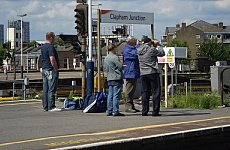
(214, 51)
(58, 41)
(2, 54)
(33, 43)
(178, 43)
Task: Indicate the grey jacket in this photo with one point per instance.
(113, 67)
(148, 59)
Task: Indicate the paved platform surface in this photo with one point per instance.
(26, 126)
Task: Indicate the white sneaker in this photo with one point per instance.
(55, 109)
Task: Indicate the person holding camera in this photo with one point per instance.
(150, 75)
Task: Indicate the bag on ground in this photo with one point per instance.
(95, 103)
(72, 104)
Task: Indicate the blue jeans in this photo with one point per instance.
(113, 99)
(50, 80)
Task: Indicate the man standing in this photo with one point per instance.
(113, 68)
(150, 76)
(131, 72)
(50, 66)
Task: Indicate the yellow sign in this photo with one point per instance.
(169, 55)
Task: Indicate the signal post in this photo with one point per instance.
(80, 46)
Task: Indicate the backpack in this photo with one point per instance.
(72, 104)
(95, 103)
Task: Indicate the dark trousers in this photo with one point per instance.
(130, 87)
(151, 86)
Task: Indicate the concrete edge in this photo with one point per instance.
(173, 135)
(19, 101)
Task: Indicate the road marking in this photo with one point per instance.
(112, 142)
(71, 142)
(111, 132)
(18, 103)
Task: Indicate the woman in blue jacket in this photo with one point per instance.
(131, 72)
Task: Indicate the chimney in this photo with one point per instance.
(178, 25)
(183, 24)
(221, 25)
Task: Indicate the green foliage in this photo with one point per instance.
(177, 43)
(2, 54)
(58, 41)
(123, 97)
(196, 101)
(214, 51)
(33, 43)
(39, 95)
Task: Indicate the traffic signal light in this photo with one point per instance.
(76, 47)
(6, 45)
(81, 19)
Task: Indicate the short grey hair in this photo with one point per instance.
(131, 39)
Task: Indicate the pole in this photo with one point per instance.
(99, 50)
(172, 89)
(176, 71)
(90, 28)
(132, 30)
(14, 64)
(27, 64)
(90, 63)
(152, 32)
(13, 89)
(166, 85)
(21, 50)
(83, 87)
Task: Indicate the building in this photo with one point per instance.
(198, 32)
(170, 33)
(1, 33)
(14, 33)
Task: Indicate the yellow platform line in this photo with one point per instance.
(111, 132)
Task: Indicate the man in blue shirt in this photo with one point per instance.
(131, 72)
(50, 74)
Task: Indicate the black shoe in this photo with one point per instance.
(130, 110)
(109, 114)
(144, 114)
(156, 115)
(118, 114)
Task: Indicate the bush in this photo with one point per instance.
(197, 101)
(39, 95)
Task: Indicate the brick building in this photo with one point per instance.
(196, 33)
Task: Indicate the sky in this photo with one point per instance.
(58, 15)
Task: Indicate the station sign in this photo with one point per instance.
(126, 17)
(169, 55)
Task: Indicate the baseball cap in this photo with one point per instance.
(146, 40)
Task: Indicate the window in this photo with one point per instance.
(197, 45)
(209, 36)
(16, 35)
(197, 36)
(218, 36)
(17, 44)
(66, 62)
